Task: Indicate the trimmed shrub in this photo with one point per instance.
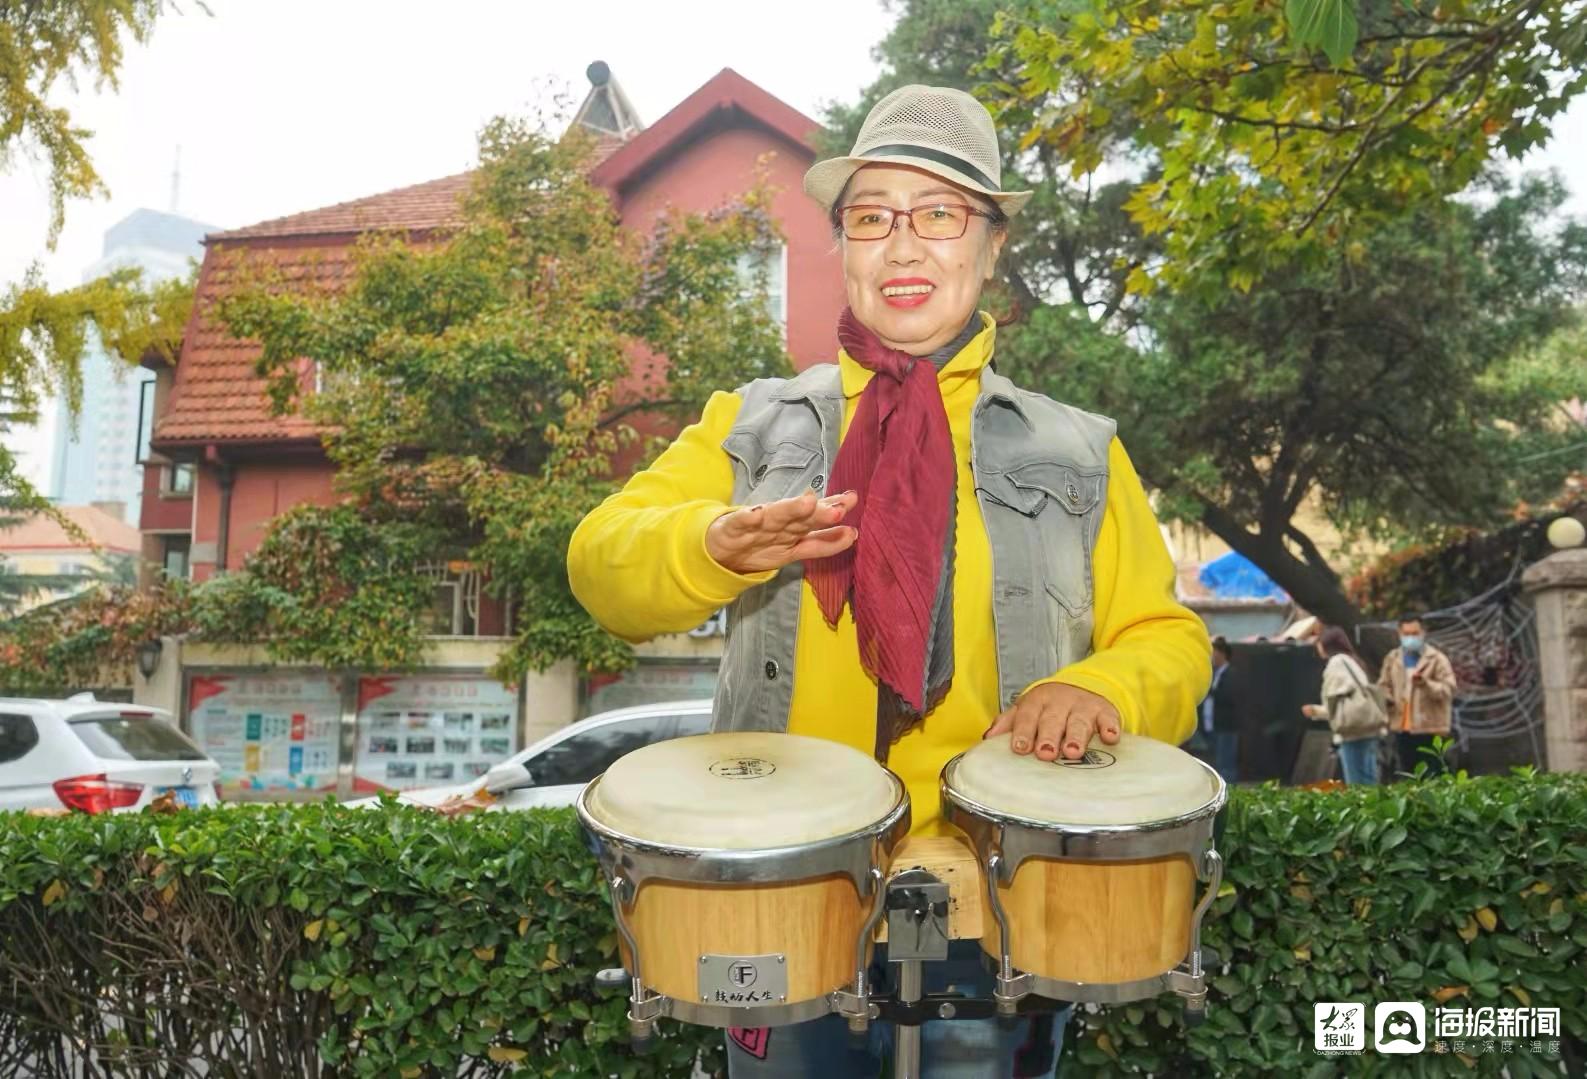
(320, 940)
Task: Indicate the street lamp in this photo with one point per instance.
(149, 656)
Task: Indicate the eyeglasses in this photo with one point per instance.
(939, 221)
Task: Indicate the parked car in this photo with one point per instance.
(97, 757)
(553, 770)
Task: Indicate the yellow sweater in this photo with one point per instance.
(638, 563)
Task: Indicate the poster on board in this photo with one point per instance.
(431, 730)
(272, 731)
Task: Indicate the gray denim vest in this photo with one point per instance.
(1041, 478)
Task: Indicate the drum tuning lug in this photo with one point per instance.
(1195, 1016)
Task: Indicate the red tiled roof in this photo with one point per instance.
(726, 91)
(41, 532)
(216, 395)
(430, 205)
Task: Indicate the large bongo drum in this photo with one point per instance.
(747, 875)
(1090, 867)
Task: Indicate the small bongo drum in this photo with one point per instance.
(1090, 867)
(747, 875)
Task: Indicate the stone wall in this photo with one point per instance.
(1558, 587)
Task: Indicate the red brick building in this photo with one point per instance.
(226, 466)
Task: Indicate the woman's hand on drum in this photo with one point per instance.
(1054, 718)
(773, 535)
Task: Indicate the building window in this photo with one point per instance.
(174, 555)
(145, 421)
(176, 479)
(768, 268)
(454, 604)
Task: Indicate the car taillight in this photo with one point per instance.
(96, 794)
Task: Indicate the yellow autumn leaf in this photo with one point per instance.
(1301, 891)
(1520, 994)
(1542, 887)
(99, 877)
(1556, 907)
(1303, 953)
(412, 1073)
(1489, 920)
(484, 955)
(503, 1054)
(168, 893)
(1449, 991)
(1105, 1044)
(1363, 907)
(523, 926)
(54, 892)
(312, 930)
(551, 962)
(1468, 932)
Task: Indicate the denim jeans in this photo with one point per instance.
(1226, 755)
(1358, 760)
(949, 1049)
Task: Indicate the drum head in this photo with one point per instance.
(743, 791)
(1134, 782)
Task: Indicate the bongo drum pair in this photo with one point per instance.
(748, 873)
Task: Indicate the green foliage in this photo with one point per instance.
(43, 46)
(382, 943)
(1459, 565)
(327, 586)
(487, 385)
(1396, 386)
(43, 336)
(396, 941)
(1259, 152)
(90, 641)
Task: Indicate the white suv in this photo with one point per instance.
(97, 757)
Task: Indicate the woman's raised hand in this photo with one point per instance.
(770, 536)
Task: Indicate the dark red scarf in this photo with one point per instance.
(898, 456)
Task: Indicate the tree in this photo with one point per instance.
(1398, 384)
(43, 337)
(43, 45)
(484, 388)
(1260, 148)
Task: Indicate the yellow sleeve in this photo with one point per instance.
(638, 562)
(1151, 657)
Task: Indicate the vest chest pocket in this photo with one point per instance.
(768, 473)
(1057, 507)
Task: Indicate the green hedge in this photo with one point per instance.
(318, 940)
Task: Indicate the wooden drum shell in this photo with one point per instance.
(1096, 921)
(812, 923)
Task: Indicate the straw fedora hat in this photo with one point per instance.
(946, 132)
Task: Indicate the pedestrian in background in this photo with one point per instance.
(1419, 682)
(1220, 713)
(1352, 710)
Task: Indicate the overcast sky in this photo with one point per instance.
(286, 105)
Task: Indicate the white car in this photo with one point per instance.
(553, 770)
(97, 757)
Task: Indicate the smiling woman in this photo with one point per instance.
(935, 552)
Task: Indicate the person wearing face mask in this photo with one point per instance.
(917, 552)
(1419, 682)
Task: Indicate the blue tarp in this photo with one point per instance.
(1235, 576)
